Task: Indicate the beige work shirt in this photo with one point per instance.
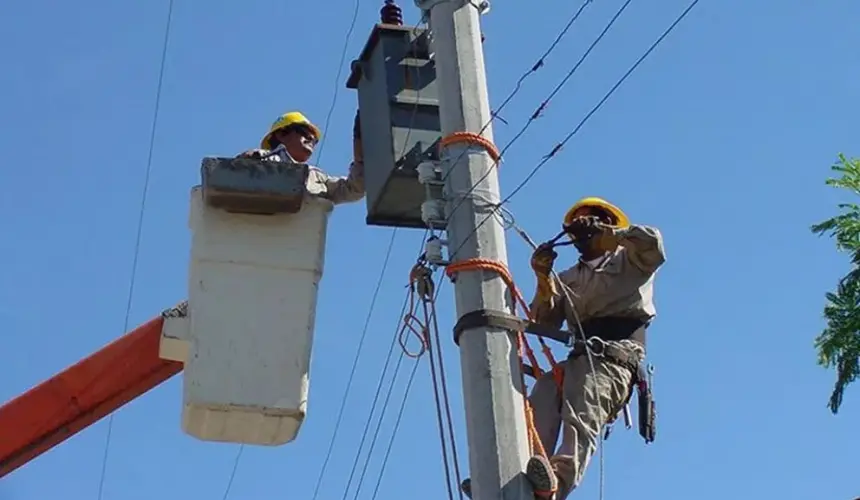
(620, 284)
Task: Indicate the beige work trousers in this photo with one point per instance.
(587, 401)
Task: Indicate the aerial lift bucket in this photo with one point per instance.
(246, 331)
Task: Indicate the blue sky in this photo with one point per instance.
(722, 139)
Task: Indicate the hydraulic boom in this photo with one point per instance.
(81, 395)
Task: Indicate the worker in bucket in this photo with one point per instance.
(611, 290)
(293, 138)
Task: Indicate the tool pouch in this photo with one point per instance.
(647, 406)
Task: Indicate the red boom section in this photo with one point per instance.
(81, 395)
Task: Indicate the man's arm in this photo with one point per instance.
(350, 188)
(346, 189)
(644, 246)
(547, 306)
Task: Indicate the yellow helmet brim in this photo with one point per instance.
(595, 202)
(288, 120)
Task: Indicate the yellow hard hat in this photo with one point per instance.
(593, 201)
(288, 120)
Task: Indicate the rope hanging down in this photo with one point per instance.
(422, 288)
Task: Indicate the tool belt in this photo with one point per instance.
(601, 334)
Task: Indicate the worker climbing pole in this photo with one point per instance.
(450, 162)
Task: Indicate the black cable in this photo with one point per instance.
(337, 77)
(364, 331)
(540, 109)
(582, 122)
(538, 65)
(142, 211)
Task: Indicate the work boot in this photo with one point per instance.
(540, 473)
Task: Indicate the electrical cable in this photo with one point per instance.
(351, 377)
(546, 158)
(540, 109)
(337, 77)
(139, 231)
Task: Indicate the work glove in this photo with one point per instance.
(542, 260)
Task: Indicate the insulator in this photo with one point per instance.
(391, 13)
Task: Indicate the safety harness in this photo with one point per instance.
(602, 332)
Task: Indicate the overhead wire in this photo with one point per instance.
(343, 52)
(404, 324)
(399, 417)
(376, 396)
(432, 329)
(395, 428)
(140, 218)
(351, 376)
(347, 37)
(552, 153)
(538, 112)
(388, 358)
(540, 63)
(602, 101)
(233, 471)
(534, 69)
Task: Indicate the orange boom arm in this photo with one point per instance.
(81, 395)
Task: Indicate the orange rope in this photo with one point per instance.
(473, 139)
(522, 344)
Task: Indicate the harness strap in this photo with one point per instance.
(612, 352)
(615, 328)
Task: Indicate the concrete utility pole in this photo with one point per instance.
(498, 446)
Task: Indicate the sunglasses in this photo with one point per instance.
(305, 132)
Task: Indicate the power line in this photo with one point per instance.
(399, 417)
(538, 65)
(582, 122)
(391, 242)
(375, 433)
(141, 213)
(233, 471)
(397, 330)
(337, 77)
(358, 352)
(538, 112)
(606, 97)
(355, 363)
(395, 429)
